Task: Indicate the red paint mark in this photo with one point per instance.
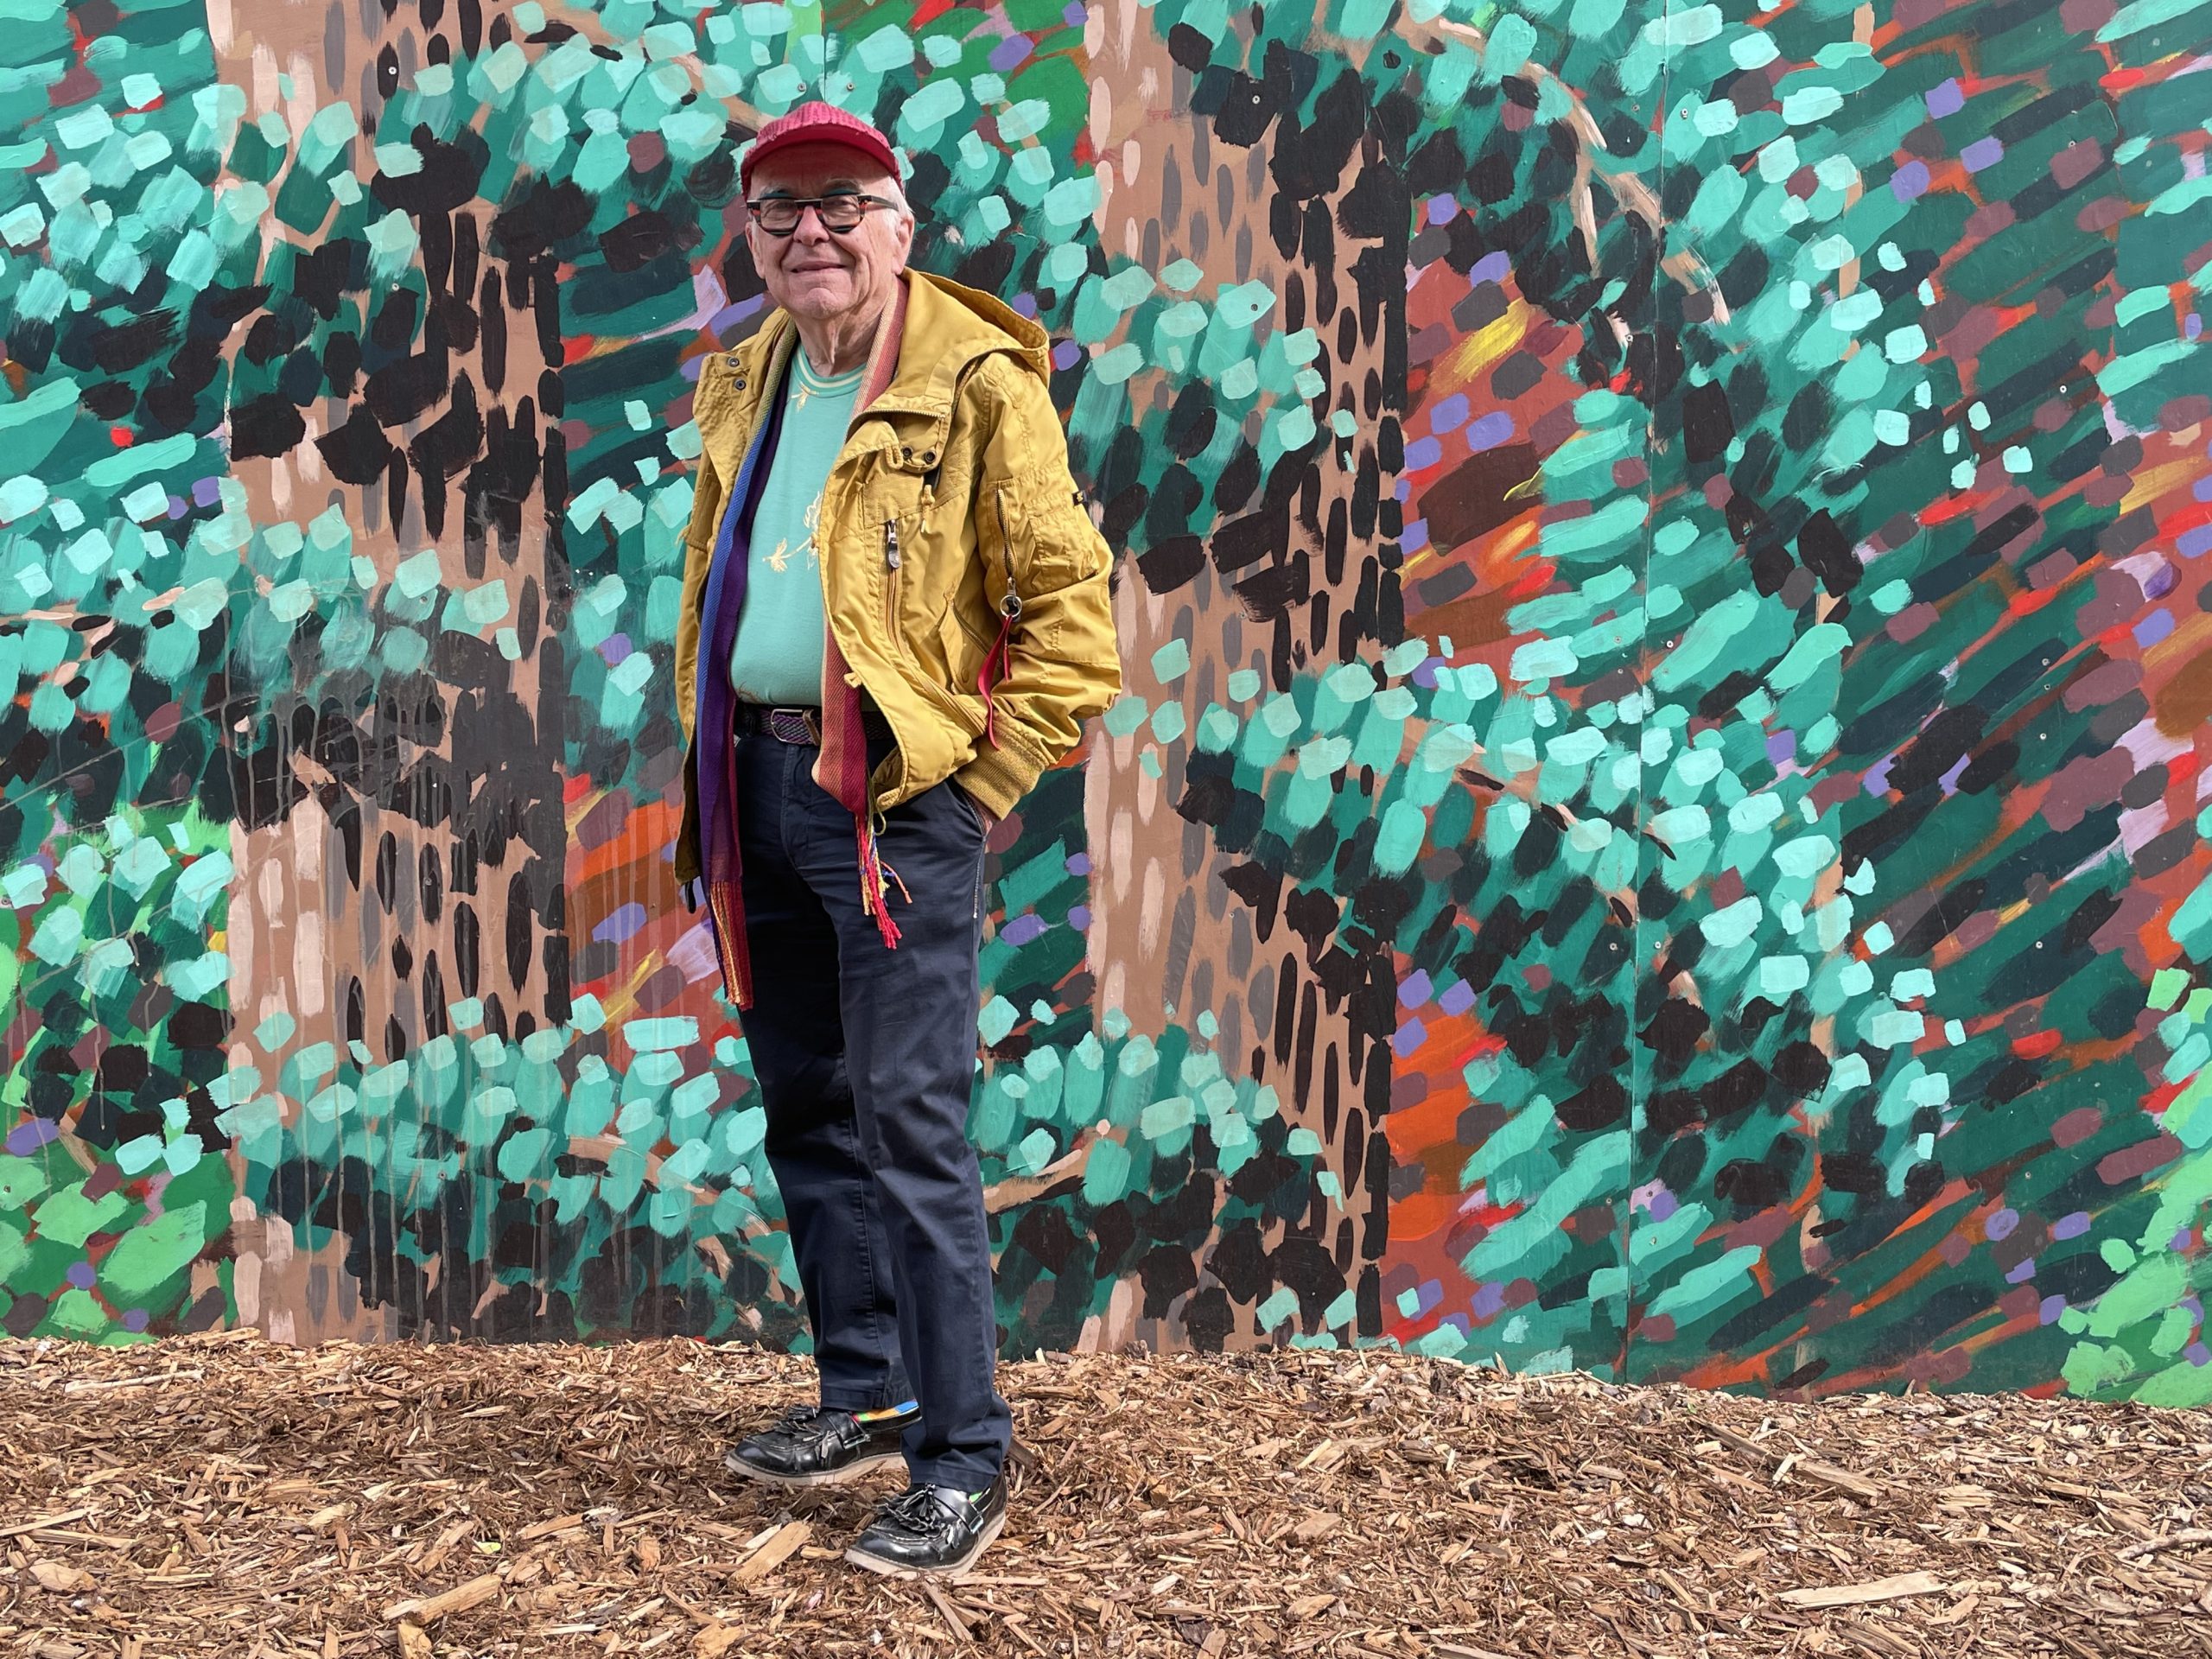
(575, 350)
(928, 11)
(2194, 517)
(122, 436)
(2035, 1045)
(1943, 512)
(2029, 600)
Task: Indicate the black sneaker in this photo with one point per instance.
(931, 1529)
(812, 1445)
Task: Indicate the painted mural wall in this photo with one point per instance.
(1657, 824)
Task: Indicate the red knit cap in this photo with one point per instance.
(818, 123)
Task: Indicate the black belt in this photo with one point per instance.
(784, 725)
(795, 725)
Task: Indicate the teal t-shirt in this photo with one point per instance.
(778, 656)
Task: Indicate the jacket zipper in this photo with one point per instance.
(891, 584)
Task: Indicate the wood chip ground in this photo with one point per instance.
(222, 1496)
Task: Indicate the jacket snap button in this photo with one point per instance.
(930, 457)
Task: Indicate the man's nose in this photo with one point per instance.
(810, 227)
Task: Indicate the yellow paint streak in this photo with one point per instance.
(2153, 482)
(2180, 646)
(1486, 345)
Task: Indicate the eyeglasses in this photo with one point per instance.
(840, 212)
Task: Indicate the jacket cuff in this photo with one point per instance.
(998, 777)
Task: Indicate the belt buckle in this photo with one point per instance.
(792, 725)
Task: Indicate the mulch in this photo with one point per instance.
(221, 1495)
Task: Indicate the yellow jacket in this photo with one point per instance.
(953, 482)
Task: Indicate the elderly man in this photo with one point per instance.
(895, 616)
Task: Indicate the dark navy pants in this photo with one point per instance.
(866, 1057)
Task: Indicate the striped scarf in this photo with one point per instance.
(841, 768)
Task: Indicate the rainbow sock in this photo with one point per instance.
(880, 1413)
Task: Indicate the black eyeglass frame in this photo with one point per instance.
(800, 204)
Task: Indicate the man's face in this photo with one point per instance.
(817, 274)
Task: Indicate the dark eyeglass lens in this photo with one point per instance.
(839, 213)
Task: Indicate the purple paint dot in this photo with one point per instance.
(1416, 990)
(621, 924)
(1946, 100)
(2022, 1273)
(1490, 268)
(1079, 918)
(1065, 353)
(2198, 542)
(208, 491)
(1663, 1204)
(1079, 864)
(1980, 153)
(2197, 1354)
(30, 1136)
(81, 1274)
(1442, 210)
(2049, 1310)
(1025, 305)
(1488, 1302)
(1410, 1037)
(2202, 490)
(134, 1319)
(1010, 51)
(2191, 325)
(1402, 490)
(1425, 675)
(615, 648)
(2162, 582)
(1412, 539)
(1456, 999)
(2182, 1240)
(2071, 1226)
(2154, 628)
(1022, 929)
(1781, 748)
(2001, 1224)
(1423, 452)
(1877, 781)
(177, 507)
(1489, 432)
(1950, 780)
(1909, 181)
(1450, 415)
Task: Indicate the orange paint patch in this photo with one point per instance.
(647, 830)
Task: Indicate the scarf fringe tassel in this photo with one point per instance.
(875, 896)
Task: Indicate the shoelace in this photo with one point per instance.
(799, 1420)
(918, 1507)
